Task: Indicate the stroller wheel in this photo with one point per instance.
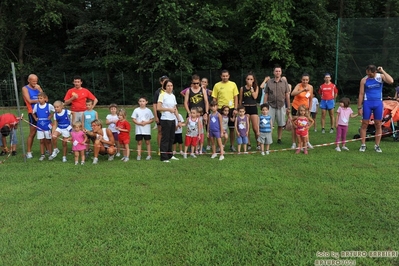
(357, 136)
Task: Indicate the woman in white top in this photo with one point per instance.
(167, 105)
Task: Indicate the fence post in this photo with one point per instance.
(18, 107)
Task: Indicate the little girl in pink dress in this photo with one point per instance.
(79, 139)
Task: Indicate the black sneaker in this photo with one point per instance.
(279, 141)
(13, 153)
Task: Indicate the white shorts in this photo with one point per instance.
(43, 134)
(64, 132)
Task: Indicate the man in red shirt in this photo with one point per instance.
(328, 92)
(76, 97)
(8, 122)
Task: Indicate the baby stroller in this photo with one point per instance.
(390, 117)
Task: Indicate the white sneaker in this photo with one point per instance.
(344, 148)
(29, 155)
(293, 146)
(42, 157)
(185, 155)
(148, 158)
(64, 159)
(337, 148)
(377, 148)
(310, 146)
(331, 130)
(315, 130)
(76, 163)
(118, 154)
(208, 148)
(126, 159)
(111, 157)
(167, 161)
(95, 161)
(362, 148)
(221, 158)
(82, 163)
(263, 153)
(214, 156)
(174, 152)
(174, 158)
(54, 154)
(138, 158)
(193, 155)
(181, 152)
(267, 152)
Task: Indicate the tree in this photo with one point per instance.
(22, 19)
(170, 34)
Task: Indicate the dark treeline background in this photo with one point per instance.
(120, 48)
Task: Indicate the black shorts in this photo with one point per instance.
(141, 137)
(313, 115)
(231, 123)
(159, 118)
(251, 110)
(178, 138)
(32, 120)
(294, 111)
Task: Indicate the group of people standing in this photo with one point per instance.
(277, 93)
(49, 121)
(276, 107)
(224, 113)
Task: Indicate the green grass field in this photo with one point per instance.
(280, 209)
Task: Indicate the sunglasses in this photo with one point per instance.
(195, 83)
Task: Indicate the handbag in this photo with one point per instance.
(288, 124)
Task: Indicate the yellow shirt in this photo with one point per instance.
(224, 93)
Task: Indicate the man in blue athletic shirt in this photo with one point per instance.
(370, 102)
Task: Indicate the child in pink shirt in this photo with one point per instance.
(344, 112)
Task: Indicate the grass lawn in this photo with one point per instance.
(279, 209)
